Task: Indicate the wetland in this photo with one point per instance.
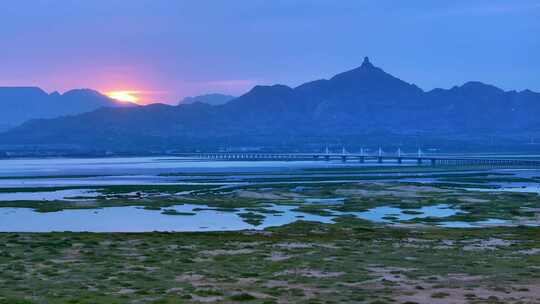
(170, 230)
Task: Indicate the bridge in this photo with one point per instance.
(379, 157)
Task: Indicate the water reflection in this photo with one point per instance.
(192, 218)
(138, 219)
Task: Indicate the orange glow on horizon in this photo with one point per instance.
(125, 96)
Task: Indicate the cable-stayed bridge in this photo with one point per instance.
(379, 156)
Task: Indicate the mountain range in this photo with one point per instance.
(363, 106)
(211, 99)
(20, 104)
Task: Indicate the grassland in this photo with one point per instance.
(358, 196)
(349, 262)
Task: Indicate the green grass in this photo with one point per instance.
(251, 218)
(175, 212)
(237, 266)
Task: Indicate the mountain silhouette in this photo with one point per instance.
(365, 105)
(20, 104)
(211, 99)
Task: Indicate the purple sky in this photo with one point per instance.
(174, 48)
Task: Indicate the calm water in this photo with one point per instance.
(48, 195)
(141, 170)
(137, 219)
(147, 166)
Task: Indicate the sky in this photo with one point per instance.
(163, 50)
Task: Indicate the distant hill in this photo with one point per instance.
(361, 107)
(19, 104)
(211, 99)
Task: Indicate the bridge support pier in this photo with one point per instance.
(379, 159)
(344, 158)
(362, 159)
(400, 160)
(433, 161)
(419, 160)
(327, 158)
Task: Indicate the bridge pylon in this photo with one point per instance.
(399, 157)
(380, 156)
(362, 157)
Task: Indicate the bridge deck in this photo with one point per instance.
(434, 160)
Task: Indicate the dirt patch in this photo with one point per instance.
(276, 283)
(246, 281)
(310, 273)
(174, 290)
(199, 299)
(473, 200)
(528, 221)
(258, 195)
(70, 255)
(414, 243)
(309, 291)
(124, 291)
(278, 256)
(294, 245)
(392, 274)
(226, 252)
(454, 288)
(489, 244)
(244, 244)
(531, 251)
(257, 232)
(512, 294)
(193, 279)
(410, 192)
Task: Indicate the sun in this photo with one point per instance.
(124, 96)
